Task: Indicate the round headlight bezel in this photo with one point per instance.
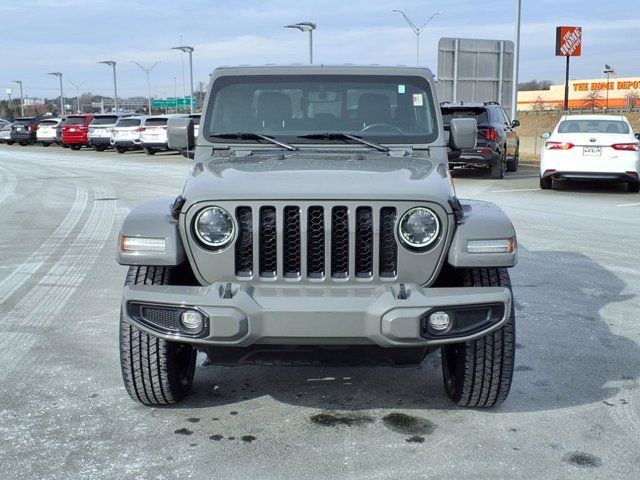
(414, 246)
(206, 243)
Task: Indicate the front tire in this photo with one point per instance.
(149, 151)
(634, 187)
(120, 149)
(155, 371)
(478, 373)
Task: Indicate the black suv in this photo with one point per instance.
(24, 130)
(498, 143)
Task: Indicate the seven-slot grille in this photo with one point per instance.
(317, 242)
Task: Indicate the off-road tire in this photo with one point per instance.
(150, 151)
(478, 373)
(546, 183)
(634, 187)
(497, 170)
(155, 371)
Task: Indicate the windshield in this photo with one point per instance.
(480, 114)
(389, 109)
(106, 120)
(48, 123)
(593, 126)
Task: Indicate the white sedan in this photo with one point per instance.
(591, 147)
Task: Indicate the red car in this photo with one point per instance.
(75, 131)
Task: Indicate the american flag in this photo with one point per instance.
(608, 69)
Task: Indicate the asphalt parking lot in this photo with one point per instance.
(573, 412)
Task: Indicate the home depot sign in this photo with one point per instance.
(569, 41)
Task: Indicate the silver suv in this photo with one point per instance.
(319, 223)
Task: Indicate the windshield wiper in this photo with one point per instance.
(344, 136)
(255, 136)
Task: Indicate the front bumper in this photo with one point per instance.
(242, 315)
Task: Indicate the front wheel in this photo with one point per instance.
(634, 187)
(155, 371)
(149, 151)
(120, 149)
(478, 373)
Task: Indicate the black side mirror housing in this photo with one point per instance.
(515, 123)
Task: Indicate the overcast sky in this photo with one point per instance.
(71, 36)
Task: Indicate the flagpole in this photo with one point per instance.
(606, 108)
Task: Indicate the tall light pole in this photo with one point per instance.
(19, 82)
(59, 75)
(112, 64)
(77, 93)
(147, 71)
(417, 30)
(189, 50)
(306, 27)
(516, 55)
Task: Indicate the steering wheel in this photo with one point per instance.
(382, 125)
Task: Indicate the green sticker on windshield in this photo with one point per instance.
(400, 88)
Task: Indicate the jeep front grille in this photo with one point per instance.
(316, 242)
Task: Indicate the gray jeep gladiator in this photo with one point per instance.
(319, 223)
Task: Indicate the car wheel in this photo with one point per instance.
(512, 165)
(478, 373)
(75, 147)
(120, 149)
(10, 142)
(155, 371)
(149, 151)
(634, 187)
(23, 144)
(497, 170)
(46, 144)
(546, 183)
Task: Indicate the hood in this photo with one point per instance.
(314, 175)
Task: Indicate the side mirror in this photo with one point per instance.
(545, 135)
(515, 123)
(638, 135)
(463, 133)
(180, 135)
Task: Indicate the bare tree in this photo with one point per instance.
(592, 99)
(633, 99)
(539, 104)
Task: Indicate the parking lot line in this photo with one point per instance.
(637, 204)
(517, 190)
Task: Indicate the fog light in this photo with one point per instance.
(439, 321)
(192, 320)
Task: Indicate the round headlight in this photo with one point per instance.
(419, 227)
(214, 227)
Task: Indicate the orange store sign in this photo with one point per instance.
(569, 41)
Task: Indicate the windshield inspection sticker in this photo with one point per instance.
(417, 100)
(400, 88)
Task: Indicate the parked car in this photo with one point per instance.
(75, 130)
(4, 122)
(125, 134)
(100, 130)
(46, 132)
(25, 129)
(153, 136)
(498, 146)
(6, 134)
(324, 238)
(591, 147)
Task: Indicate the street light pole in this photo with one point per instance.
(78, 109)
(19, 82)
(189, 50)
(112, 64)
(516, 56)
(417, 30)
(59, 75)
(147, 71)
(306, 27)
